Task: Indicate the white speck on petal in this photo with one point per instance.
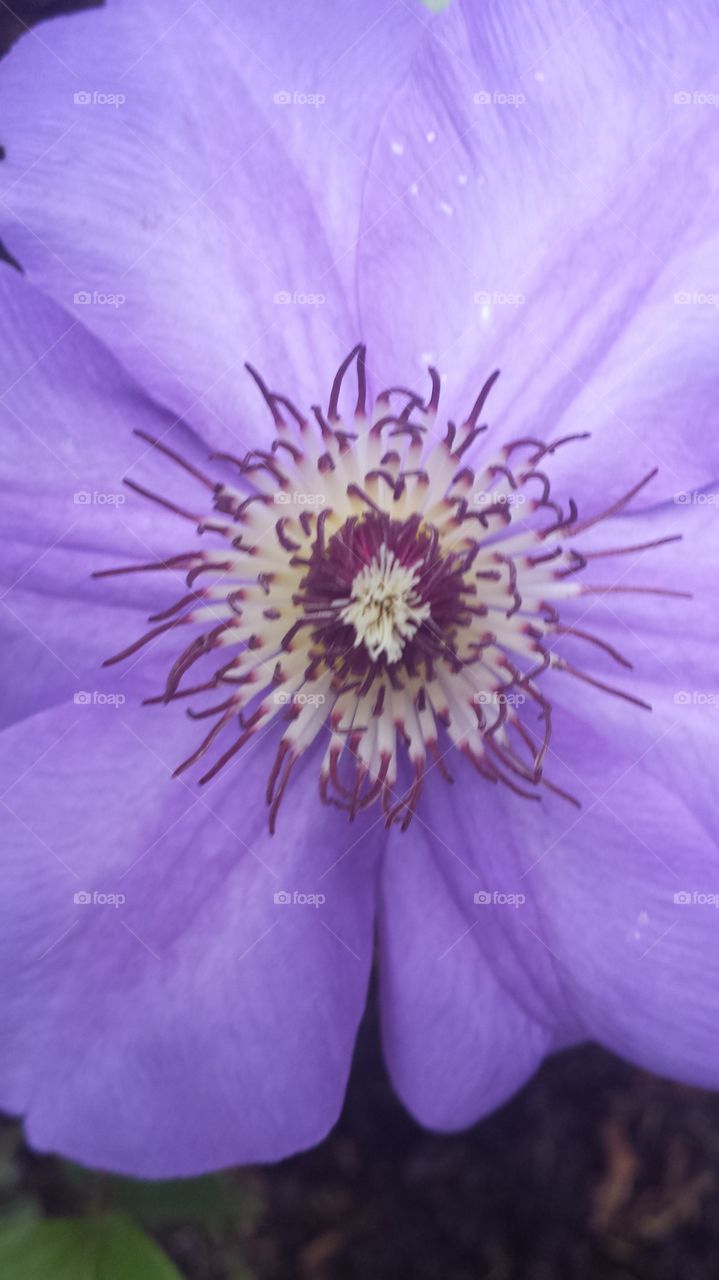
(539, 75)
(462, 179)
(398, 148)
(431, 136)
(638, 933)
(414, 189)
(446, 208)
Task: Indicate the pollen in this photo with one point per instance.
(376, 586)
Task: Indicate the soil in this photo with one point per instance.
(595, 1170)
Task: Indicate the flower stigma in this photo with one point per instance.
(372, 587)
(385, 608)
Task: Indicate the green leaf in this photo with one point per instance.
(436, 6)
(105, 1248)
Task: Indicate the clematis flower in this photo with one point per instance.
(449, 637)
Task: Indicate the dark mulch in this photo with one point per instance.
(595, 1170)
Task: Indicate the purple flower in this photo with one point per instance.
(382, 589)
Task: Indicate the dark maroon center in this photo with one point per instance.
(327, 587)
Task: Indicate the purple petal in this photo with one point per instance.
(199, 1023)
(67, 416)
(669, 638)
(191, 189)
(457, 1042)
(637, 964)
(518, 210)
(515, 927)
(600, 921)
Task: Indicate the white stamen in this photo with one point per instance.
(385, 608)
(489, 564)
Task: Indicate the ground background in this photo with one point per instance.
(595, 1171)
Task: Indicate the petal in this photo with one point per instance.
(69, 412)
(509, 927)
(518, 234)
(670, 639)
(456, 1041)
(67, 416)
(670, 636)
(198, 218)
(601, 921)
(627, 888)
(203, 1021)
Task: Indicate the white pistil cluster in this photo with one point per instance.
(385, 608)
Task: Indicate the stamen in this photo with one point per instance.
(396, 605)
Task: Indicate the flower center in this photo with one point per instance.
(381, 591)
(371, 589)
